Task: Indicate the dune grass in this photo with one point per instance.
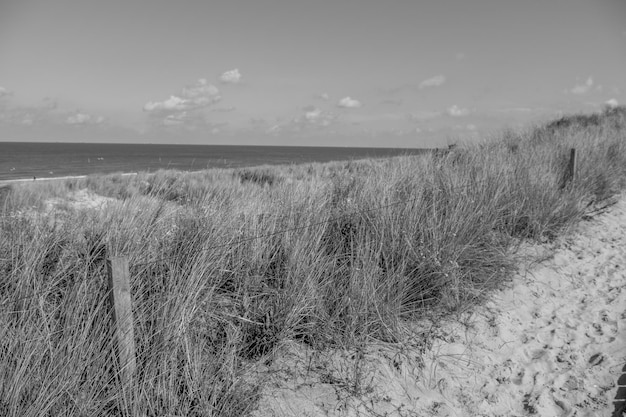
(226, 265)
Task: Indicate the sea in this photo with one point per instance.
(20, 160)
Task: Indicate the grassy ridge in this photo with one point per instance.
(226, 265)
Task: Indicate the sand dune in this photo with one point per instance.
(552, 343)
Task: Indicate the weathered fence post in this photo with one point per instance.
(119, 288)
(571, 166)
(569, 175)
(435, 190)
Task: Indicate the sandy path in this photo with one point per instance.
(553, 343)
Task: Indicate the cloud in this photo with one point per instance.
(435, 81)
(175, 119)
(582, 88)
(323, 96)
(4, 92)
(460, 56)
(230, 77)
(349, 103)
(28, 120)
(456, 111)
(78, 119)
(612, 103)
(185, 107)
(82, 118)
(312, 119)
(199, 95)
(47, 117)
(312, 114)
(172, 103)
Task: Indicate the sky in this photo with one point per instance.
(394, 73)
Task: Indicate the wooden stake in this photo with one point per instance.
(571, 167)
(119, 287)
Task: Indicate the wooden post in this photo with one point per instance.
(119, 287)
(571, 166)
(435, 190)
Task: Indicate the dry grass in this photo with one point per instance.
(368, 246)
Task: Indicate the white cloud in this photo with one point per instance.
(582, 88)
(201, 92)
(198, 95)
(323, 96)
(471, 127)
(28, 120)
(172, 103)
(313, 114)
(435, 81)
(274, 129)
(4, 92)
(47, 115)
(460, 56)
(79, 118)
(313, 118)
(230, 77)
(456, 111)
(175, 119)
(349, 103)
(187, 107)
(612, 103)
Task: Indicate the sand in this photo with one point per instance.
(551, 343)
(79, 200)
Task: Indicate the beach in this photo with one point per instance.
(71, 177)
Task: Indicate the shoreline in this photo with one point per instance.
(69, 177)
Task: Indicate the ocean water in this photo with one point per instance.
(46, 160)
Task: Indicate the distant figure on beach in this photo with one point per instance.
(34, 178)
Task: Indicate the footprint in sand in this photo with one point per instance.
(604, 329)
(596, 359)
(518, 378)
